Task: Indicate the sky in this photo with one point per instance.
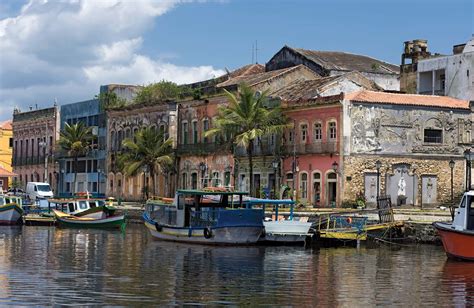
(64, 50)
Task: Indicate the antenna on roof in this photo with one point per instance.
(253, 49)
(256, 52)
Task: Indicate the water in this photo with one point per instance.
(46, 266)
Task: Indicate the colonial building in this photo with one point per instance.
(124, 123)
(402, 144)
(6, 145)
(35, 133)
(331, 63)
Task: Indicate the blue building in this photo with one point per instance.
(91, 167)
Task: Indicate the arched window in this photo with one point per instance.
(112, 141)
(215, 179)
(303, 185)
(184, 132)
(195, 131)
(317, 132)
(332, 131)
(205, 128)
(194, 180)
(184, 180)
(304, 132)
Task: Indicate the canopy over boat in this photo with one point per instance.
(253, 201)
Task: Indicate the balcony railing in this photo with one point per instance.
(258, 150)
(313, 148)
(25, 161)
(203, 148)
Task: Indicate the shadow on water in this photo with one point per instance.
(47, 266)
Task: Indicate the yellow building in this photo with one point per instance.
(6, 145)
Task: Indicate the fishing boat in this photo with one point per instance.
(71, 221)
(83, 207)
(458, 236)
(10, 209)
(204, 217)
(281, 229)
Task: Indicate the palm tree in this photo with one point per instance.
(76, 141)
(245, 119)
(149, 150)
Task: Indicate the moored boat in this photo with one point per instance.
(204, 217)
(458, 236)
(10, 209)
(66, 220)
(83, 207)
(279, 229)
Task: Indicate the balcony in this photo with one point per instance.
(258, 150)
(203, 148)
(313, 148)
(27, 161)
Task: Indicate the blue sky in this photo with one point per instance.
(65, 50)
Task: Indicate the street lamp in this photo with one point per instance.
(451, 166)
(275, 164)
(378, 165)
(334, 166)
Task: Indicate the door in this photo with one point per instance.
(429, 189)
(370, 188)
(332, 189)
(256, 184)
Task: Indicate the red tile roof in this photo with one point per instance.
(5, 173)
(6, 125)
(407, 99)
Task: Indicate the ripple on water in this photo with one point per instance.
(46, 266)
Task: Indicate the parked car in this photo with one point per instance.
(38, 190)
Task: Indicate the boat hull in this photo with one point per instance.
(287, 231)
(457, 244)
(10, 214)
(106, 223)
(237, 235)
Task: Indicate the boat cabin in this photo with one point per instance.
(194, 208)
(74, 206)
(5, 199)
(464, 214)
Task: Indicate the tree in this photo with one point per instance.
(110, 100)
(75, 140)
(245, 119)
(149, 150)
(158, 92)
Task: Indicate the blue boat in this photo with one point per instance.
(204, 217)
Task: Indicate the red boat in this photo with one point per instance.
(458, 236)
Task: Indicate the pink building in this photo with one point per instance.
(312, 148)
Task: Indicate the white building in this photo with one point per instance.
(449, 75)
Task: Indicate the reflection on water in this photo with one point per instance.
(45, 266)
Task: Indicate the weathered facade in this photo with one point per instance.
(35, 134)
(448, 75)
(413, 52)
(124, 123)
(312, 150)
(330, 63)
(413, 137)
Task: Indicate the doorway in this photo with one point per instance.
(332, 189)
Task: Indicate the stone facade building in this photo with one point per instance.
(124, 123)
(331, 63)
(35, 133)
(413, 137)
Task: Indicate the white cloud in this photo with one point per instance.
(67, 49)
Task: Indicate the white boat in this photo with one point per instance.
(204, 217)
(82, 207)
(279, 229)
(10, 209)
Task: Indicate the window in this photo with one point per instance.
(317, 133)
(304, 132)
(184, 180)
(82, 205)
(289, 179)
(111, 184)
(291, 135)
(304, 185)
(205, 128)
(227, 178)
(94, 186)
(215, 179)
(194, 180)
(433, 136)
(332, 130)
(184, 137)
(68, 186)
(195, 132)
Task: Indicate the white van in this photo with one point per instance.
(38, 190)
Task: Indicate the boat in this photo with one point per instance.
(279, 229)
(204, 217)
(67, 220)
(10, 209)
(458, 236)
(83, 207)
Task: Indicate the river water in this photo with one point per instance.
(47, 266)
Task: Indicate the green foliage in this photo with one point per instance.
(16, 183)
(159, 92)
(76, 139)
(110, 100)
(149, 151)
